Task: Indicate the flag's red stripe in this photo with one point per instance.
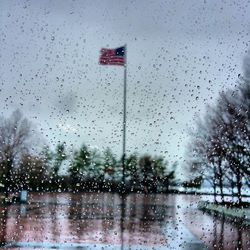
(109, 60)
(110, 56)
(105, 50)
(111, 63)
(112, 59)
(115, 61)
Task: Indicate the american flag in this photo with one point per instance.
(113, 56)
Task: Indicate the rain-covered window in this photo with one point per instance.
(124, 124)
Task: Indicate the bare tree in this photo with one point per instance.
(15, 135)
(221, 140)
(202, 150)
(236, 135)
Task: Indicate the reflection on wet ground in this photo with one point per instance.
(110, 221)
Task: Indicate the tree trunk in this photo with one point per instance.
(239, 185)
(167, 185)
(214, 188)
(221, 190)
(220, 177)
(232, 187)
(8, 178)
(214, 184)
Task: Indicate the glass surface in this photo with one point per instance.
(124, 124)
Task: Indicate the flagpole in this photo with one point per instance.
(124, 118)
(123, 197)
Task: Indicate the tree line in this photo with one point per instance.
(220, 143)
(23, 165)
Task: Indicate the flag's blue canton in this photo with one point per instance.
(120, 51)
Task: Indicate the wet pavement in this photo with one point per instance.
(109, 221)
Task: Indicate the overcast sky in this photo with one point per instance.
(180, 55)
